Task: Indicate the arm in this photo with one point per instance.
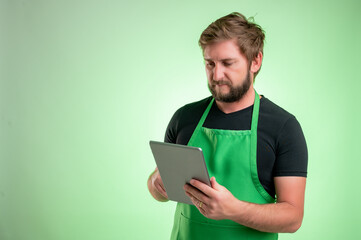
(284, 216)
(156, 187)
(155, 183)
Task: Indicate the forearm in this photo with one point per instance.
(274, 217)
(156, 195)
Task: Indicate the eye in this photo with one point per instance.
(210, 64)
(227, 64)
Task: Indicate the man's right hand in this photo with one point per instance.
(156, 186)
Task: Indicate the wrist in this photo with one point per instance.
(237, 210)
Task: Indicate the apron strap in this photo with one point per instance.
(200, 123)
(205, 114)
(255, 112)
(254, 171)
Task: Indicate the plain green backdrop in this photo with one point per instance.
(86, 84)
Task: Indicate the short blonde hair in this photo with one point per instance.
(250, 36)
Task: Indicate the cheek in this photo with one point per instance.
(237, 74)
(209, 74)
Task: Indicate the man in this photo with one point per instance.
(255, 151)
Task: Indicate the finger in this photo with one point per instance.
(203, 210)
(215, 184)
(198, 203)
(196, 193)
(203, 187)
(159, 188)
(160, 182)
(194, 200)
(201, 206)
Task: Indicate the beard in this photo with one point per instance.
(235, 92)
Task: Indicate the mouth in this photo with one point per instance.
(220, 85)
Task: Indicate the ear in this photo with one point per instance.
(256, 63)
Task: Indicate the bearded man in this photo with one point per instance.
(255, 149)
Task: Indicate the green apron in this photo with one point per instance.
(231, 157)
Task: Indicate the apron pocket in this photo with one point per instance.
(193, 230)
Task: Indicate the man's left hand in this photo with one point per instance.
(214, 202)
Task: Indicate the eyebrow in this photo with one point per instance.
(225, 59)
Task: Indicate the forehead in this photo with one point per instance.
(227, 49)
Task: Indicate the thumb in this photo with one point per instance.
(214, 183)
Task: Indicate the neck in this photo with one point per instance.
(246, 101)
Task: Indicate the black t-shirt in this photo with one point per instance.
(281, 146)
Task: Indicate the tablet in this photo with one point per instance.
(177, 165)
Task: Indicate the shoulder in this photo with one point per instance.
(287, 139)
(196, 106)
(184, 120)
(270, 108)
(273, 116)
(278, 124)
(193, 109)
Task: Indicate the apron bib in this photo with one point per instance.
(231, 157)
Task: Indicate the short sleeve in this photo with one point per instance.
(172, 128)
(291, 150)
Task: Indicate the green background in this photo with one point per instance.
(86, 84)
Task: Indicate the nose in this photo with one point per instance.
(218, 72)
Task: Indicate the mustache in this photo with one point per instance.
(220, 82)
